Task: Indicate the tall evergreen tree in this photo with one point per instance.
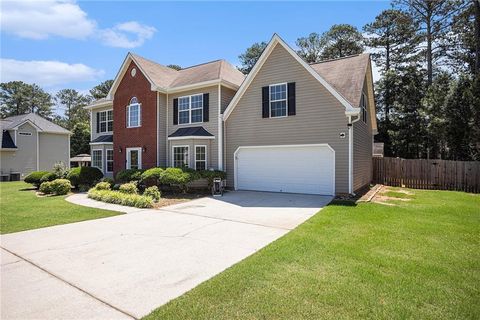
(17, 97)
(80, 139)
(434, 18)
(340, 41)
(459, 107)
(101, 90)
(310, 48)
(73, 103)
(251, 56)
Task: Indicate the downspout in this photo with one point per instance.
(158, 129)
(220, 129)
(166, 134)
(350, 152)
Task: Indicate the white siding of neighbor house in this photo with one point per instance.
(24, 159)
(320, 117)
(53, 148)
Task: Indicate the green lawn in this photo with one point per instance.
(21, 209)
(417, 260)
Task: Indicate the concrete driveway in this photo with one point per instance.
(128, 265)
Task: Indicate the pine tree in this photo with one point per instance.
(17, 97)
(251, 56)
(340, 41)
(101, 90)
(310, 47)
(73, 103)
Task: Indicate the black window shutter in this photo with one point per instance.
(265, 102)
(175, 111)
(291, 99)
(98, 121)
(205, 107)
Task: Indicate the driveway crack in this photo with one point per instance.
(70, 284)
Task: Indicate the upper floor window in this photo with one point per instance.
(105, 121)
(134, 113)
(364, 108)
(278, 100)
(190, 109)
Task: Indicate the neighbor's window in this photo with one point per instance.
(364, 108)
(200, 157)
(109, 160)
(190, 109)
(278, 100)
(106, 121)
(134, 113)
(97, 159)
(180, 156)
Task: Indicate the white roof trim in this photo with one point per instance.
(192, 137)
(100, 104)
(256, 68)
(98, 143)
(30, 122)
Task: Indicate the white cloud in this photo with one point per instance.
(121, 35)
(46, 73)
(41, 19)
(63, 18)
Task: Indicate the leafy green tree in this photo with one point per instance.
(340, 41)
(73, 103)
(80, 139)
(459, 106)
(408, 132)
(174, 66)
(101, 90)
(251, 56)
(434, 104)
(17, 97)
(310, 47)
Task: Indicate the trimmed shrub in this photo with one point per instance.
(103, 186)
(176, 176)
(84, 176)
(110, 196)
(152, 177)
(56, 187)
(129, 188)
(109, 180)
(60, 186)
(46, 187)
(49, 177)
(35, 177)
(211, 174)
(153, 193)
(129, 175)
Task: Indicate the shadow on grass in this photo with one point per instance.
(28, 189)
(343, 203)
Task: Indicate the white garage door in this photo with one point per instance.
(295, 169)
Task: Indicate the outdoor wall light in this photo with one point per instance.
(144, 149)
(119, 149)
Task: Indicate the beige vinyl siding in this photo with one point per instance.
(53, 148)
(191, 143)
(162, 131)
(211, 126)
(96, 134)
(362, 146)
(320, 118)
(226, 96)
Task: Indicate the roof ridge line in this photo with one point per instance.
(341, 58)
(200, 64)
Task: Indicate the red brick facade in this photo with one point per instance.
(144, 136)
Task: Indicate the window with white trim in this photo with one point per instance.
(97, 160)
(109, 159)
(190, 109)
(200, 157)
(364, 108)
(278, 100)
(134, 114)
(106, 121)
(180, 156)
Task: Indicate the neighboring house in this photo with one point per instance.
(286, 127)
(31, 143)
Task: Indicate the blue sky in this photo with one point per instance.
(79, 44)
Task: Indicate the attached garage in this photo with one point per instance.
(289, 168)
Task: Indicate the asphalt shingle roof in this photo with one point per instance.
(191, 131)
(42, 123)
(7, 141)
(104, 138)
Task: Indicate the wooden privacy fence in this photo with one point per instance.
(428, 174)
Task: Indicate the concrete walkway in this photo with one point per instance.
(126, 266)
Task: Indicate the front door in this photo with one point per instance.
(134, 158)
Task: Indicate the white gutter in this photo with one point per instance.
(350, 151)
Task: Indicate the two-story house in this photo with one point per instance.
(286, 127)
